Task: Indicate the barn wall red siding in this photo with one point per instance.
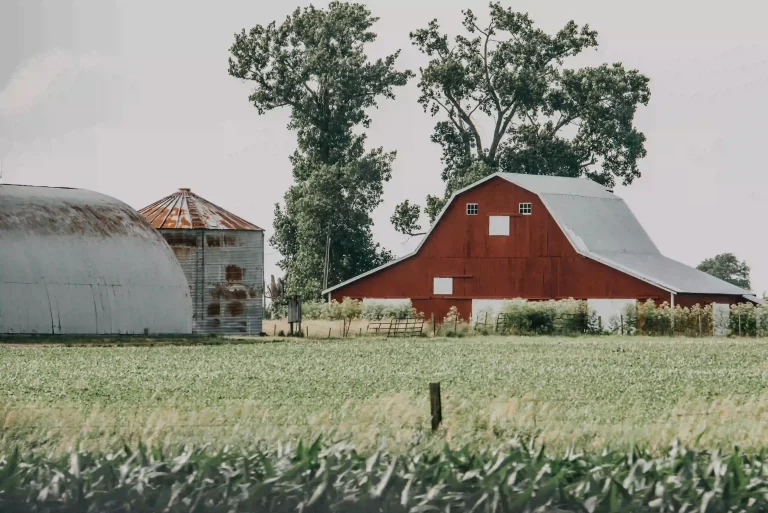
(536, 261)
(689, 300)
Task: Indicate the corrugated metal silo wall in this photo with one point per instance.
(225, 271)
(187, 246)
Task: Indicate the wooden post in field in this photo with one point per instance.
(436, 405)
(329, 332)
(699, 325)
(434, 328)
(621, 317)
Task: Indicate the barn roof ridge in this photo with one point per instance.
(605, 231)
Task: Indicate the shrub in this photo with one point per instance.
(378, 310)
(544, 317)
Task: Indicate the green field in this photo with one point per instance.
(563, 391)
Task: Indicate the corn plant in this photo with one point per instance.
(336, 478)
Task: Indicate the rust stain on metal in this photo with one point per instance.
(235, 308)
(230, 292)
(181, 239)
(234, 273)
(214, 309)
(73, 219)
(186, 210)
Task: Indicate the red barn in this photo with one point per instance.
(536, 237)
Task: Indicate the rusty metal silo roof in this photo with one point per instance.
(186, 210)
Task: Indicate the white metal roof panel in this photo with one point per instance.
(599, 224)
(540, 184)
(671, 274)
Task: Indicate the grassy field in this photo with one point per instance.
(372, 392)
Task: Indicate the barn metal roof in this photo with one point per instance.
(186, 210)
(74, 261)
(600, 226)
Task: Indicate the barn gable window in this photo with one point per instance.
(498, 225)
(443, 286)
(472, 209)
(525, 209)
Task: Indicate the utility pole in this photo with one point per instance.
(327, 259)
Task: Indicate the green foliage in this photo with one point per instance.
(315, 64)
(728, 268)
(650, 319)
(350, 309)
(547, 118)
(316, 477)
(545, 317)
(376, 311)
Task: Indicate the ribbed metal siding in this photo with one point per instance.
(76, 262)
(225, 271)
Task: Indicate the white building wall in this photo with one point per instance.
(609, 310)
(490, 306)
(721, 318)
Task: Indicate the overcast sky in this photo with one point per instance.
(132, 99)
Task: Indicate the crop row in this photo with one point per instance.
(321, 478)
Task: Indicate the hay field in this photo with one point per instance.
(564, 391)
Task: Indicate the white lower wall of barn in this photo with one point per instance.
(387, 301)
(721, 318)
(492, 307)
(609, 310)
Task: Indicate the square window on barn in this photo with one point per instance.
(498, 225)
(525, 209)
(472, 209)
(443, 286)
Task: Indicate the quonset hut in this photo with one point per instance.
(73, 261)
(222, 256)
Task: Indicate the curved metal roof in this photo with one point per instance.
(186, 210)
(74, 261)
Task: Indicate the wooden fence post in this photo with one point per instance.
(434, 328)
(329, 332)
(436, 406)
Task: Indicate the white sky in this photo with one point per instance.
(132, 98)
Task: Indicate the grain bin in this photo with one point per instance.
(222, 256)
(76, 262)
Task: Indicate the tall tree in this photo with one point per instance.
(506, 102)
(315, 64)
(728, 268)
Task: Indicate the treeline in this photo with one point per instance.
(543, 116)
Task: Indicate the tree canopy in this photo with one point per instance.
(315, 64)
(506, 102)
(728, 268)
